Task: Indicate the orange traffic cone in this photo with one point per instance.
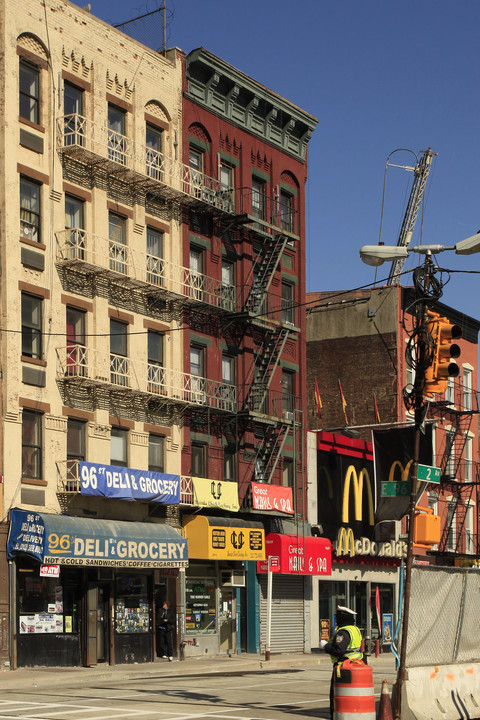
(385, 707)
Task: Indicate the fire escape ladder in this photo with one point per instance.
(263, 272)
(266, 362)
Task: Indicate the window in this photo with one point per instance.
(31, 444)
(288, 383)
(196, 273)
(119, 368)
(29, 210)
(287, 475)
(76, 351)
(287, 303)
(155, 264)
(156, 379)
(258, 198)
(228, 286)
(31, 326)
(117, 142)
(229, 465)
(29, 92)
(467, 389)
(117, 234)
(227, 389)
(156, 453)
(197, 368)
(450, 390)
(227, 192)
(74, 121)
(195, 162)
(228, 369)
(154, 158)
(198, 468)
(286, 210)
(469, 529)
(450, 453)
(74, 221)
(75, 447)
(451, 525)
(467, 455)
(119, 447)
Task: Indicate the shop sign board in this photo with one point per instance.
(66, 540)
(215, 494)
(298, 555)
(122, 483)
(212, 538)
(272, 497)
(346, 544)
(50, 571)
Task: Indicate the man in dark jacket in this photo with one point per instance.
(165, 625)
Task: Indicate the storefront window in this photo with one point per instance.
(200, 610)
(47, 604)
(132, 614)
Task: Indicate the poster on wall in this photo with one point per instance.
(387, 627)
(325, 630)
(41, 623)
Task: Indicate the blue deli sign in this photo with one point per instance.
(128, 484)
(66, 540)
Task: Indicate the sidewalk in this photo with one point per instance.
(42, 677)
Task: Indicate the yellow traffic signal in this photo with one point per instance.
(441, 332)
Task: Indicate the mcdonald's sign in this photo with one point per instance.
(345, 542)
(359, 480)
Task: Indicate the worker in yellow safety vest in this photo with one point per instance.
(346, 643)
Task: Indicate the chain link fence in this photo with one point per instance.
(444, 617)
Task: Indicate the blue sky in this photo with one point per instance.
(379, 75)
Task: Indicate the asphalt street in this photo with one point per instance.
(218, 690)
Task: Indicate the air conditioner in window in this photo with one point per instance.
(233, 578)
(288, 416)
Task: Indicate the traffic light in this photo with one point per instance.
(441, 332)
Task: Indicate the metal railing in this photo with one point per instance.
(89, 141)
(78, 248)
(98, 368)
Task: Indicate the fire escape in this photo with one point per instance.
(460, 476)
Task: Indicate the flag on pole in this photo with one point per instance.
(344, 402)
(318, 400)
(375, 407)
(377, 606)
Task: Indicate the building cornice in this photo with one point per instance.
(227, 92)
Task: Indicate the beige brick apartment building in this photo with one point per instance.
(90, 268)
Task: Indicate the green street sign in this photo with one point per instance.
(428, 473)
(395, 489)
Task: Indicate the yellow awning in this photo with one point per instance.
(216, 538)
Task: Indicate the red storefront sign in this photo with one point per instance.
(272, 497)
(302, 555)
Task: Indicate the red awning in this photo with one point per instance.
(296, 555)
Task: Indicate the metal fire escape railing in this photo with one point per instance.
(88, 253)
(461, 475)
(87, 367)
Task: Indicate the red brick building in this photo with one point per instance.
(244, 331)
(359, 340)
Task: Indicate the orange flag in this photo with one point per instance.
(318, 400)
(375, 407)
(344, 402)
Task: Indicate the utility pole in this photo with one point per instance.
(422, 360)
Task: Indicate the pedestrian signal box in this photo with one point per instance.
(426, 529)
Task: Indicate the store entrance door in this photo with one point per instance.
(227, 620)
(97, 624)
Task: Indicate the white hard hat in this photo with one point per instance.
(343, 609)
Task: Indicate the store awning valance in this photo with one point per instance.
(66, 540)
(217, 538)
(297, 555)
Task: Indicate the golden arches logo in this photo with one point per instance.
(404, 471)
(326, 472)
(358, 481)
(345, 542)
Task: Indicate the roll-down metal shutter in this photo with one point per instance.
(288, 627)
